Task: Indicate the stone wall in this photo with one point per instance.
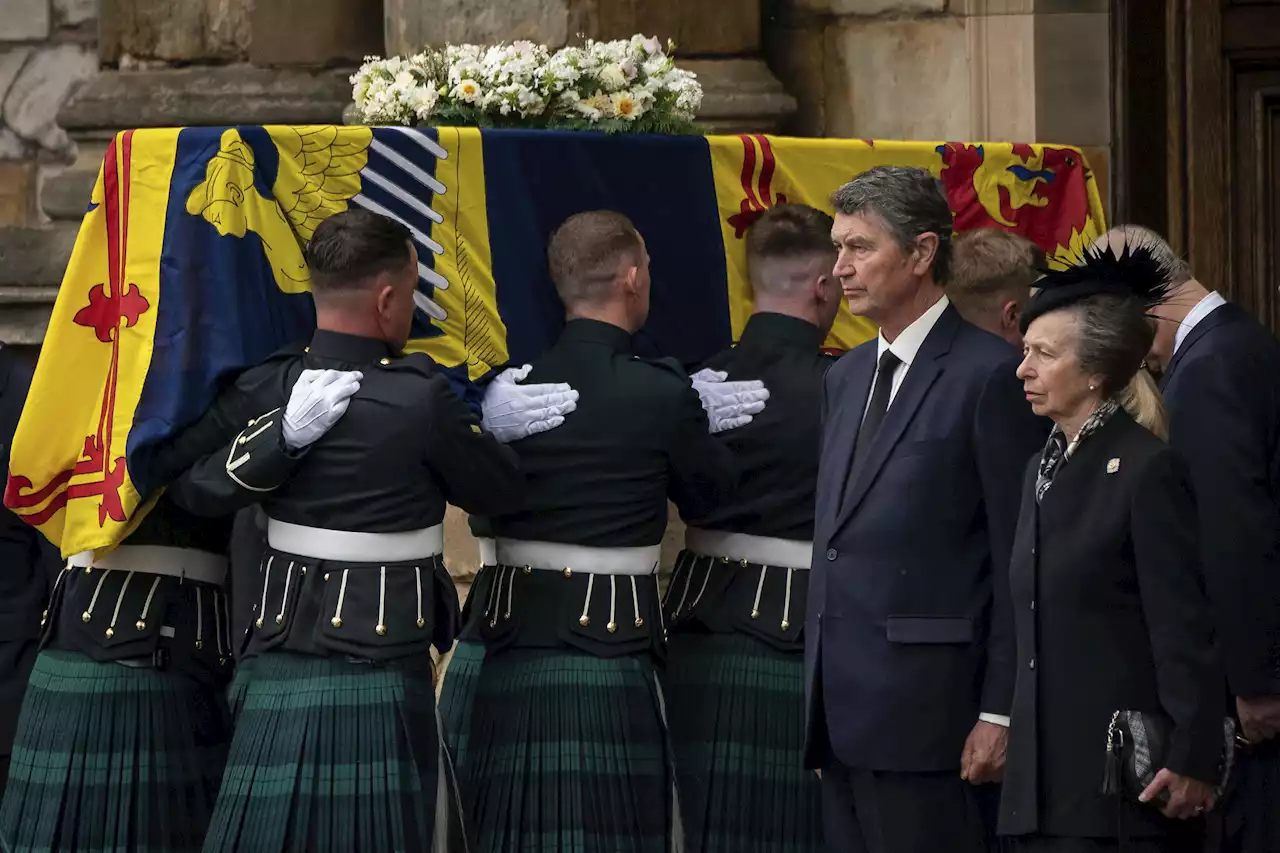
(985, 70)
(47, 48)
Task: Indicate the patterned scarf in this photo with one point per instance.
(1057, 450)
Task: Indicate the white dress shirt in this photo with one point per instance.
(906, 347)
(1203, 309)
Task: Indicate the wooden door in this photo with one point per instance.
(1197, 103)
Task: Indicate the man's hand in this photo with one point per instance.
(1187, 797)
(982, 760)
(513, 411)
(1259, 717)
(318, 401)
(728, 404)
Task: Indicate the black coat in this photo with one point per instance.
(1111, 614)
(1223, 393)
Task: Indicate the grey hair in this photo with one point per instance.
(909, 201)
(1138, 235)
(1113, 338)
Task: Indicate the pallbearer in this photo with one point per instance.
(124, 728)
(735, 606)
(336, 742)
(551, 696)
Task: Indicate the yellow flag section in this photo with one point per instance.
(1044, 192)
(73, 484)
(473, 329)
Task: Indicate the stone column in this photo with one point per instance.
(1020, 70)
(740, 93)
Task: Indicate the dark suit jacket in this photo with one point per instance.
(27, 564)
(1111, 615)
(907, 638)
(1222, 390)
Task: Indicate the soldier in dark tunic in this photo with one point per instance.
(551, 696)
(124, 727)
(337, 743)
(28, 563)
(736, 604)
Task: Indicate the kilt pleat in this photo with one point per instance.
(110, 757)
(559, 751)
(334, 754)
(737, 730)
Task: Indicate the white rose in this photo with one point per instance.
(613, 77)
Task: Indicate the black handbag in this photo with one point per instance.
(1137, 745)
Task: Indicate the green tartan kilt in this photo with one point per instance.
(738, 738)
(334, 754)
(560, 751)
(110, 757)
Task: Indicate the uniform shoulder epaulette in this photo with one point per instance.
(668, 364)
(410, 362)
(288, 351)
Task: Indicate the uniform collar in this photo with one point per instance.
(351, 349)
(907, 345)
(597, 332)
(771, 328)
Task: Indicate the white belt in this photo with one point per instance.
(186, 563)
(558, 556)
(488, 551)
(761, 550)
(349, 546)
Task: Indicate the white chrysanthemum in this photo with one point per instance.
(627, 106)
(468, 91)
(422, 100)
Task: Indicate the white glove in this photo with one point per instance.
(728, 404)
(512, 411)
(319, 400)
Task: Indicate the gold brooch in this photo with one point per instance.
(1113, 465)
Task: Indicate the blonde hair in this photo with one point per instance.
(1141, 399)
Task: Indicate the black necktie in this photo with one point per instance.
(876, 410)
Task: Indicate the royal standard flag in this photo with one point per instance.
(189, 264)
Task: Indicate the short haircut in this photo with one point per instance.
(990, 266)
(352, 247)
(586, 251)
(1137, 235)
(785, 233)
(909, 201)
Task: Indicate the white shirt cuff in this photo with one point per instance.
(994, 719)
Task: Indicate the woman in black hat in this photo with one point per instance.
(1108, 598)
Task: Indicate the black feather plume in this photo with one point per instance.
(1135, 272)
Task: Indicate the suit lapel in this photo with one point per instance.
(843, 420)
(924, 371)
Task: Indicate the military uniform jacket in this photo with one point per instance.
(639, 436)
(777, 458)
(406, 446)
(1110, 614)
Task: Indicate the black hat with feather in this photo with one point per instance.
(1136, 273)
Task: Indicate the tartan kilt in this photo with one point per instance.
(332, 753)
(739, 746)
(560, 751)
(110, 757)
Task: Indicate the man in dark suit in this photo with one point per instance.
(27, 562)
(1221, 382)
(926, 432)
